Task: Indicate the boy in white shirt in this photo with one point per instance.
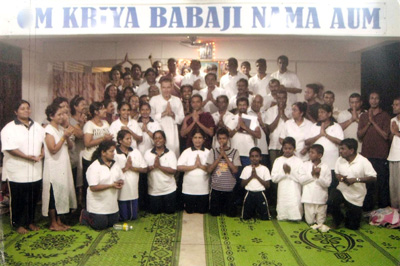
(315, 191)
(255, 179)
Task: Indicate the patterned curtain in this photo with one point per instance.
(90, 86)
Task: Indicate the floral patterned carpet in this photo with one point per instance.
(154, 240)
(232, 241)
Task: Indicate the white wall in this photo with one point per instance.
(330, 62)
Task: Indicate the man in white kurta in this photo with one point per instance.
(196, 78)
(222, 117)
(167, 110)
(258, 84)
(229, 81)
(288, 79)
(210, 93)
(394, 157)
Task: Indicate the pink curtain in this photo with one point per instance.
(88, 85)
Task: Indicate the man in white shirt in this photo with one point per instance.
(276, 117)
(258, 84)
(348, 119)
(229, 81)
(222, 117)
(196, 77)
(210, 93)
(256, 111)
(288, 79)
(394, 156)
(352, 171)
(242, 92)
(329, 98)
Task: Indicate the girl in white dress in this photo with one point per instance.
(287, 171)
(58, 195)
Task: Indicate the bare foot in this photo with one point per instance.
(33, 227)
(64, 225)
(22, 230)
(56, 227)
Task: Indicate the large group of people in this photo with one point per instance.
(163, 141)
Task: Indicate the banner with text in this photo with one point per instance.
(360, 19)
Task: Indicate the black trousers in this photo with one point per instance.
(255, 202)
(163, 203)
(99, 221)
(380, 188)
(23, 198)
(196, 203)
(353, 212)
(222, 202)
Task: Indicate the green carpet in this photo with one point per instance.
(154, 240)
(232, 241)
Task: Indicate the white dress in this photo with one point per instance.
(168, 124)
(57, 172)
(289, 205)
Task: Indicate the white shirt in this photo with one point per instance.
(288, 79)
(105, 201)
(243, 142)
(299, 133)
(351, 130)
(132, 125)
(262, 142)
(394, 153)
(210, 106)
(147, 142)
(228, 116)
(190, 79)
(254, 184)
(228, 83)
(315, 191)
(197, 181)
(331, 150)
(359, 167)
(232, 101)
(131, 179)
(16, 135)
(259, 86)
(143, 88)
(168, 124)
(159, 182)
(97, 132)
(270, 116)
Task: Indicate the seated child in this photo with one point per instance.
(195, 186)
(255, 179)
(315, 191)
(287, 172)
(222, 164)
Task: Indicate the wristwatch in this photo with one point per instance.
(358, 179)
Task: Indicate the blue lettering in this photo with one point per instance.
(260, 17)
(274, 17)
(176, 18)
(227, 17)
(131, 18)
(353, 23)
(236, 16)
(86, 17)
(212, 17)
(191, 16)
(46, 16)
(368, 17)
(117, 16)
(158, 19)
(312, 18)
(103, 18)
(69, 17)
(298, 16)
(337, 19)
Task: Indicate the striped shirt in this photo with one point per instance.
(222, 178)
